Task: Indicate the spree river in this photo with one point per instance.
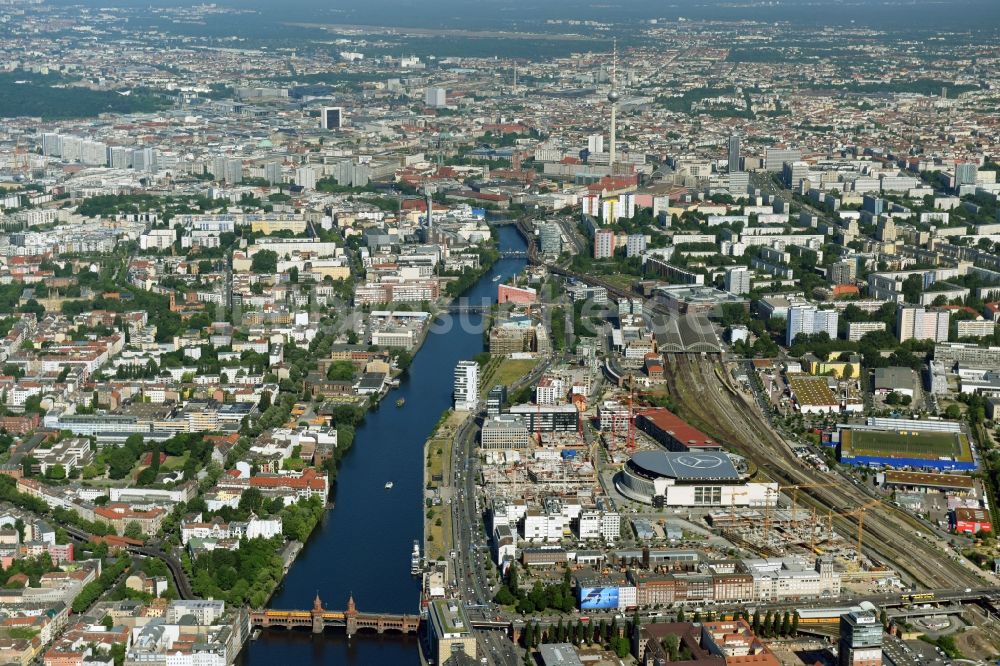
(364, 543)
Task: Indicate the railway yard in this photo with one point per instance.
(889, 535)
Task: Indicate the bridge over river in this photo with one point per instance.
(318, 619)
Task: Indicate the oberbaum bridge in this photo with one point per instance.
(318, 619)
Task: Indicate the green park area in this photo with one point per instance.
(438, 451)
(504, 371)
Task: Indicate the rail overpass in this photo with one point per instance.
(942, 600)
(181, 581)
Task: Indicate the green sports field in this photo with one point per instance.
(906, 444)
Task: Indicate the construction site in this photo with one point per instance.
(782, 525)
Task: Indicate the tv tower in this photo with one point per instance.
(613, 98)
(430, 207)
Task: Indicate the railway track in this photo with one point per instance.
(708, 402)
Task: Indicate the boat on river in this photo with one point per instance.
(415, 558)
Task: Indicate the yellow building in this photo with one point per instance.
(833, 365)
(335, 270)
(268, 226)
(450, 632)
(241, 262)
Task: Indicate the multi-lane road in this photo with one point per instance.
(469, 557)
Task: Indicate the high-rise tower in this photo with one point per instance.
(430, 207)
(613, 99)
(734, 153)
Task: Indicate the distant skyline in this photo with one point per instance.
(975, 15)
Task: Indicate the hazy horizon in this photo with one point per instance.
(965, 15)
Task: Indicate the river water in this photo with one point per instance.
(364, 543)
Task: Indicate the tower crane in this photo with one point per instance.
(860, 514)
(795, 498)
(795, 491)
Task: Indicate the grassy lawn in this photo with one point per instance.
(913, 443)
(509, 371)
(442, 440)
(440, 544)
(174, 463)
(436, 466)
(621, 280)
(439, 450)
(439, 455)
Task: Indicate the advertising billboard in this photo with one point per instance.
(598, 597)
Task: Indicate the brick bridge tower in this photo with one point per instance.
(351, 617)
(317, 615)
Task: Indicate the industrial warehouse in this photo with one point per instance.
(672, 432)
(706, 479)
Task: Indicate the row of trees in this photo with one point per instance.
(91, 592)
(469, 276)
(773, 625)
(558, 596)
(611, 635)
(246, 575)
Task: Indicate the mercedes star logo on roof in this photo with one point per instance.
(699, 462)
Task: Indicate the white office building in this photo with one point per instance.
(635, 245)
(595, 144)
(466, 386)
(780, 579)
(810, 320)
(918, 323)
(331, 117)
(544, 526)
(436, 97)
(738, 280)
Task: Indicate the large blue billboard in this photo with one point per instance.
(598, 597)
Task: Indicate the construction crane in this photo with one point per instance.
(631, 413)
(631, 409)
(795, 498)
(859, 513)
(795, 491)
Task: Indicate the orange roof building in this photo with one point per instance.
(736, 642)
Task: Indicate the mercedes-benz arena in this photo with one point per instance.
(706, 479)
